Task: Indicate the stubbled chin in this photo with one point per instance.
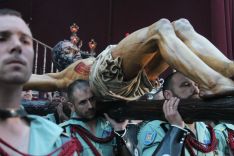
(90, 116)
(17, 79)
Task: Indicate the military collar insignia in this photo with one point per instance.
(149, 137)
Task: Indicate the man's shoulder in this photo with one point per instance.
(51, 117)
(103, 124)
(42, 122)
(154, 124)
(224, 126)
(69, 122)
(201, 125)
(153, 127)
(151, 133)
(44, 132)
(73, 121)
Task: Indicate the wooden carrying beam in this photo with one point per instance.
(191, 110)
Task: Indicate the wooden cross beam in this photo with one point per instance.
(221, 109)
(191, 110)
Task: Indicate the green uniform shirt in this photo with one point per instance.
(222, 136)
(152, 133)
(45, 136)
(103, 130)
(51, 117)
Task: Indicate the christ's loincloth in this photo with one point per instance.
(107, 75)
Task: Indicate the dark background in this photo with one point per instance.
(107, 21)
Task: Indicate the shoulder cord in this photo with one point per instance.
(191, 142)
(86, 135)
(69, 147)
(230, 139)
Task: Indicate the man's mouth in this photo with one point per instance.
(16, 61)
(91, 112)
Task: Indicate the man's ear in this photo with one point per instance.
(167, 94)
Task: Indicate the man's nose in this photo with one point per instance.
(89, 104)
(196, 89)
(16, 45)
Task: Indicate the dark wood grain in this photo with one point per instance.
(191, 110)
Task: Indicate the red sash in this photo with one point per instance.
(68, 149)
(191, 142)
(86, 135)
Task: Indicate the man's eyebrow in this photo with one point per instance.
(5, 33)
(8, 33)
(27, 35)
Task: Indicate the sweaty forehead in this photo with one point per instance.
(14, 24)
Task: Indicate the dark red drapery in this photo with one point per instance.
(222, 26)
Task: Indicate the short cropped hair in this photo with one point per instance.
(4, 12)
(78, 84)
(167, 85)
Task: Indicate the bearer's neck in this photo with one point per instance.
(10, 96)
(92, 125)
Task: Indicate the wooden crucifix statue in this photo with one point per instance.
(130, 68)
